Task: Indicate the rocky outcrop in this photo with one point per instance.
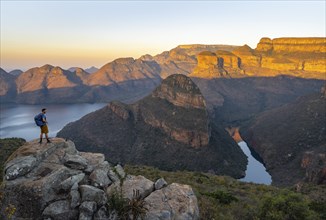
(120, 109)
(292, 45)
(182, 205)
(180, 91)
(216, 65)
(207, 66)
(303, 57)
(314, 164)
(182, 59)
(39, 184)
(169, 129)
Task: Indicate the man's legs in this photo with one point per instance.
(47, 138)
(41, 136)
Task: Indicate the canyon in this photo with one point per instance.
(229, 86)
(291, 140)
(169, 129)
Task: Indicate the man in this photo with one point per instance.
(44, 127)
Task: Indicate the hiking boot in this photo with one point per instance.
(48, 141)
(40, 142)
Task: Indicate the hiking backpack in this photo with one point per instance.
(38, 120)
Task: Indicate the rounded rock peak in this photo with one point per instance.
(181, 83)
(79, 70)
(265, 40)
(46, 67)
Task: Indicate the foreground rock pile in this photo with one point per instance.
(55, 181)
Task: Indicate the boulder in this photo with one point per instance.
(74, 198)
(113, 176)
(88, 207)
(91, 193)
(75, 162)
(160, 183)
(102, 213)
(70, 148)
(19, 167)
(70, 181)
(99, 178)
(132, 185)
(60, 210)
(175, 201)
(119, 170)
(94, 159)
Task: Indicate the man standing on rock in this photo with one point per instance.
(40, 120)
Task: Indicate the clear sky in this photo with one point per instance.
(87, 33)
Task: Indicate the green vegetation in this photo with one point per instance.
(7, 147)
(222, 197)
(127, 208)
(286, 205)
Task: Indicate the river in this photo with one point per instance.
(256, 171)
(18, 121)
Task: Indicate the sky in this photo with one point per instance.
(93, 33)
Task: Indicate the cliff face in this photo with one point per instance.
(182, 59)
(169, 129)
(291, 140)
(292, 45)
(216, 65)
(55, 181)
(305, 54)
(302, 57)
(179, 91)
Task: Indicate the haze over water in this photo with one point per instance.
(18, 121)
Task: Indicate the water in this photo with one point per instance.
(18, 120)
(256, 172)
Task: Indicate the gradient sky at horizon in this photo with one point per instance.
(92, 33)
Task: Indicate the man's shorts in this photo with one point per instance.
(44, 129)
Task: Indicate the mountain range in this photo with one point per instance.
(130, 79)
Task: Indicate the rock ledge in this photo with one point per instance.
(55, 181)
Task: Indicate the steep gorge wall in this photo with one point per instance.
(292, 45)
(302, 57)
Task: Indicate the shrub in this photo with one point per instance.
(222, 196)
(286, 206)
(127, 209)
